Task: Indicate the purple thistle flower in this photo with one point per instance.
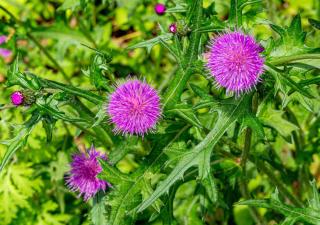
(160, 9)
(173, 28)
(5, 53)
(134, 108)
(17, 98)
(83, 175)
(235, 62)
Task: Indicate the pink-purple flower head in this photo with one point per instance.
(160, 9)
(235, 62)
(85, 168)
(5, 53)
(17, 98)
(134, 108)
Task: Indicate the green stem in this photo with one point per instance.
(292, 58)
(243, 180)
(180, 80)
(246, 150)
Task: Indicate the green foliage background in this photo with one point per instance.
(32, 187)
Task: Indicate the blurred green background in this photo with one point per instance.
(32, 188)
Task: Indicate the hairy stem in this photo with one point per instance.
(180, 80)
(244, 158)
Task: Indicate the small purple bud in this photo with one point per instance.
(160, 9)
(17, 98)
(173, 28)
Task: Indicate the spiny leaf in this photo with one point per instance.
(126, 194)
(210, 186)
(292, 39)
(273, 118)
(185, 112)
(315, 23)
(308, 215)
(20, 140)
(150, 43)
(200, 92)
(98, 210)
(229, 113)
(255, 124)
(179, 8)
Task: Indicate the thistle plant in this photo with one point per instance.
(203, 115)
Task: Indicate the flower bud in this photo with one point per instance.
(17, 98)
(173, 28)
(160, 9)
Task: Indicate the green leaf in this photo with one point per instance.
(99, 65)
(15, 77)
(273, 118)
(69, 4)
(150, 43)
(19, 140)
(181, 78)
(62, 33)
(126, 194)
(48, 124)
(229, 112)
(200, 92)
(292, 39)
(185, 112)
(315, 23)
(284, 82)
(100, 116)
(98, 211)
(179, 8)
(17, 185)
(122, 149)
(289, 221)
(314, 202)
(50, 106)
(308, 215)
(175, 152)
(47, 216)
(211, 188)
(255, 124)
